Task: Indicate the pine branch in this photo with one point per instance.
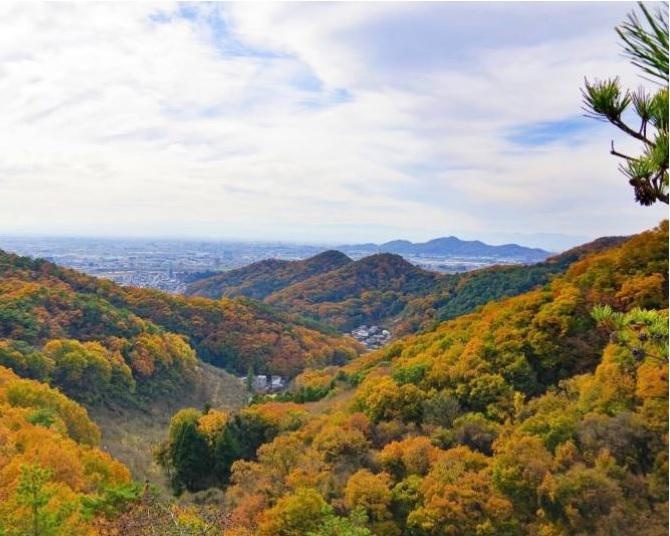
(620, 155)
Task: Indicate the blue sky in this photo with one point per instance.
(319, 122)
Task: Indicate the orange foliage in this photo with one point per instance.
(39, 427)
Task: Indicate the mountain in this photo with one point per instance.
(451, 247)
(371, 289)
(543, 413)
(40, 301)
(132, 358)
(462, 293)
(262, 278)
(385, 288)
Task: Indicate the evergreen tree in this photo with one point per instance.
(190, 457)
(645, 42)
(33, 493)
(250, 379)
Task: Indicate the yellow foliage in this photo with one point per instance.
(41, 428)
(413, 455)
(298, 513)
(371, 492)
(212, 423)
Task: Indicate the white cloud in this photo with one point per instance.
(272, 120)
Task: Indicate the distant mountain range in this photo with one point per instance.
(450, 246)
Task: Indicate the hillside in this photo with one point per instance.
(132, 356)
(90, 348)
(262, 278)
(40, 302)
(544, 413)
(54, 477)
(451, 247)
(385, 288)
(371, 289)
(459, 294)
(130, 433)
(537, 414)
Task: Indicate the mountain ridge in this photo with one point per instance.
(451, 246)
(394, 291)
(370, 289)
(259, 279)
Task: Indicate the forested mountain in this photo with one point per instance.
(544, 413)
(462, 293)
(371, 289)
(91, 348)
(261, 278)
(147, 333)
(54, 478)
(452, 247)
(527, 400)
(131, 357)
(385, 288)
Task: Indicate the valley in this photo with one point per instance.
(151, 367)
(233, 301)
(131, 432)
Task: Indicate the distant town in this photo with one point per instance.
(170, 265)
(167, 265)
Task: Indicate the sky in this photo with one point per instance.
(312, 122)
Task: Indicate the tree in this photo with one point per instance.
(187, 454)
(32, 492)
(300, 513)
(339, 526)
(250, 379)
(371, 492)
(646, 44)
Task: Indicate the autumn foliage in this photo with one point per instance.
(540, 414)
(53, 478)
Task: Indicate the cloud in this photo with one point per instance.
(337, 121)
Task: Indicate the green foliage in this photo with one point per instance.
(196, 459)
(50, 465)
(646, 43)
(33, 493)
(384, 287)
(647, 47)
(333, 525)
(441, 409)
(368, 290)
(644, 333)
(88, 371)
(43, 417)
(459, 294)
(249, 382)
(103, 343)
(473, 430)
(301, 513)
(112, 500)
(25, 360)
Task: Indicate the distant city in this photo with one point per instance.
(170, 265)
